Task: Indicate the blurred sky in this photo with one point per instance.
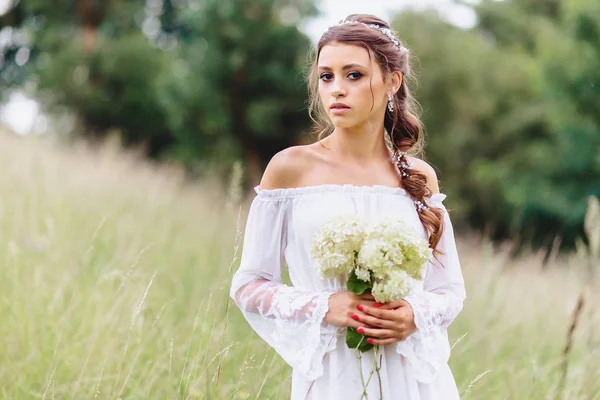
(334, 10)
(4, 6)
(20, 113)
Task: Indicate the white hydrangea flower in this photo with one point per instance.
(396, 255)
(336, 244)
(363, 274)
(394, 285)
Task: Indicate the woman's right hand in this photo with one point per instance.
(342, 309)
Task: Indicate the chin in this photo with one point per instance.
(342, 122)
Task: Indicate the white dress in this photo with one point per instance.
(279, 229)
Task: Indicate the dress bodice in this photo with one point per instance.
(305, 209)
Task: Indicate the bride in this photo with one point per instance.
(359, 165)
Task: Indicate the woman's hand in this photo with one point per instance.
(343, 310)
(386, 323)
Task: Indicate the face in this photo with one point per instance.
(351, 85)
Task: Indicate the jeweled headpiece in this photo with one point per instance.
(386, 31)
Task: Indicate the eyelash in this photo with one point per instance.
(351, 73)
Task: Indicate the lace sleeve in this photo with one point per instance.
(435, 307)
(288, 319)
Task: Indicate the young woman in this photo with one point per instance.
(362, 106)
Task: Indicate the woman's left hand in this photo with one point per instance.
(386, 323)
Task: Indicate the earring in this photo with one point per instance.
(390, 102)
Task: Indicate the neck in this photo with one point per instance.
(360, 144)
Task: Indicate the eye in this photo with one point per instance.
(355, 75)
(326, 77)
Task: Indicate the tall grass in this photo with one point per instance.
(114, 282)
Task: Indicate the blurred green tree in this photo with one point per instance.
(194, 80)
(512, 105)
(90, 57)
(512, 111)
(239, 76)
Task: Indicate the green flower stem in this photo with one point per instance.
(373, 368)
(377, 369)
(364, 395)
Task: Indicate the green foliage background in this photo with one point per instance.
(511, 106)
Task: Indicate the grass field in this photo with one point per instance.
(114, 282)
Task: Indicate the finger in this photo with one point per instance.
(372, 321)
(398, 315)
(383, 341)
(367, 296)
(377, 333)
(392, 305)
(354, 322)
(368, 303)
(376, 312)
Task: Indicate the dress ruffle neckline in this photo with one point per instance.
(339, 188)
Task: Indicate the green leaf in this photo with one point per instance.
(356, 340)
(353, 338)
(364, 346)
(356, 285)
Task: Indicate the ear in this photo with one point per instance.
(395, 81)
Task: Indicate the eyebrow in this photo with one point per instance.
(345, 67)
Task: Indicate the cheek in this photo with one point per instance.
(323, 92)
(366, 97)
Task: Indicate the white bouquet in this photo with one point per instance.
(385, 258)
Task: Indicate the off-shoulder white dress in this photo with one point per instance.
(279, 229)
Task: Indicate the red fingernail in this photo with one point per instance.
(354, 317)
(360, 330)
(370, 341)
(360, 307)
(377, 305)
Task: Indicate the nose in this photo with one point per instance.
(337, 89)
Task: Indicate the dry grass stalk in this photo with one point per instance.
(568, 347)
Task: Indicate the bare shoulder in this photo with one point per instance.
(428, 171)
(286, 168)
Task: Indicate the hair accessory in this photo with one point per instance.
(421, 205)
(386, 31)
(390, 101)
(398, 155)
(400, 159)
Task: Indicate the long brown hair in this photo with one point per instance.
(403, 127)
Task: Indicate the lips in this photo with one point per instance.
(338, 106)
